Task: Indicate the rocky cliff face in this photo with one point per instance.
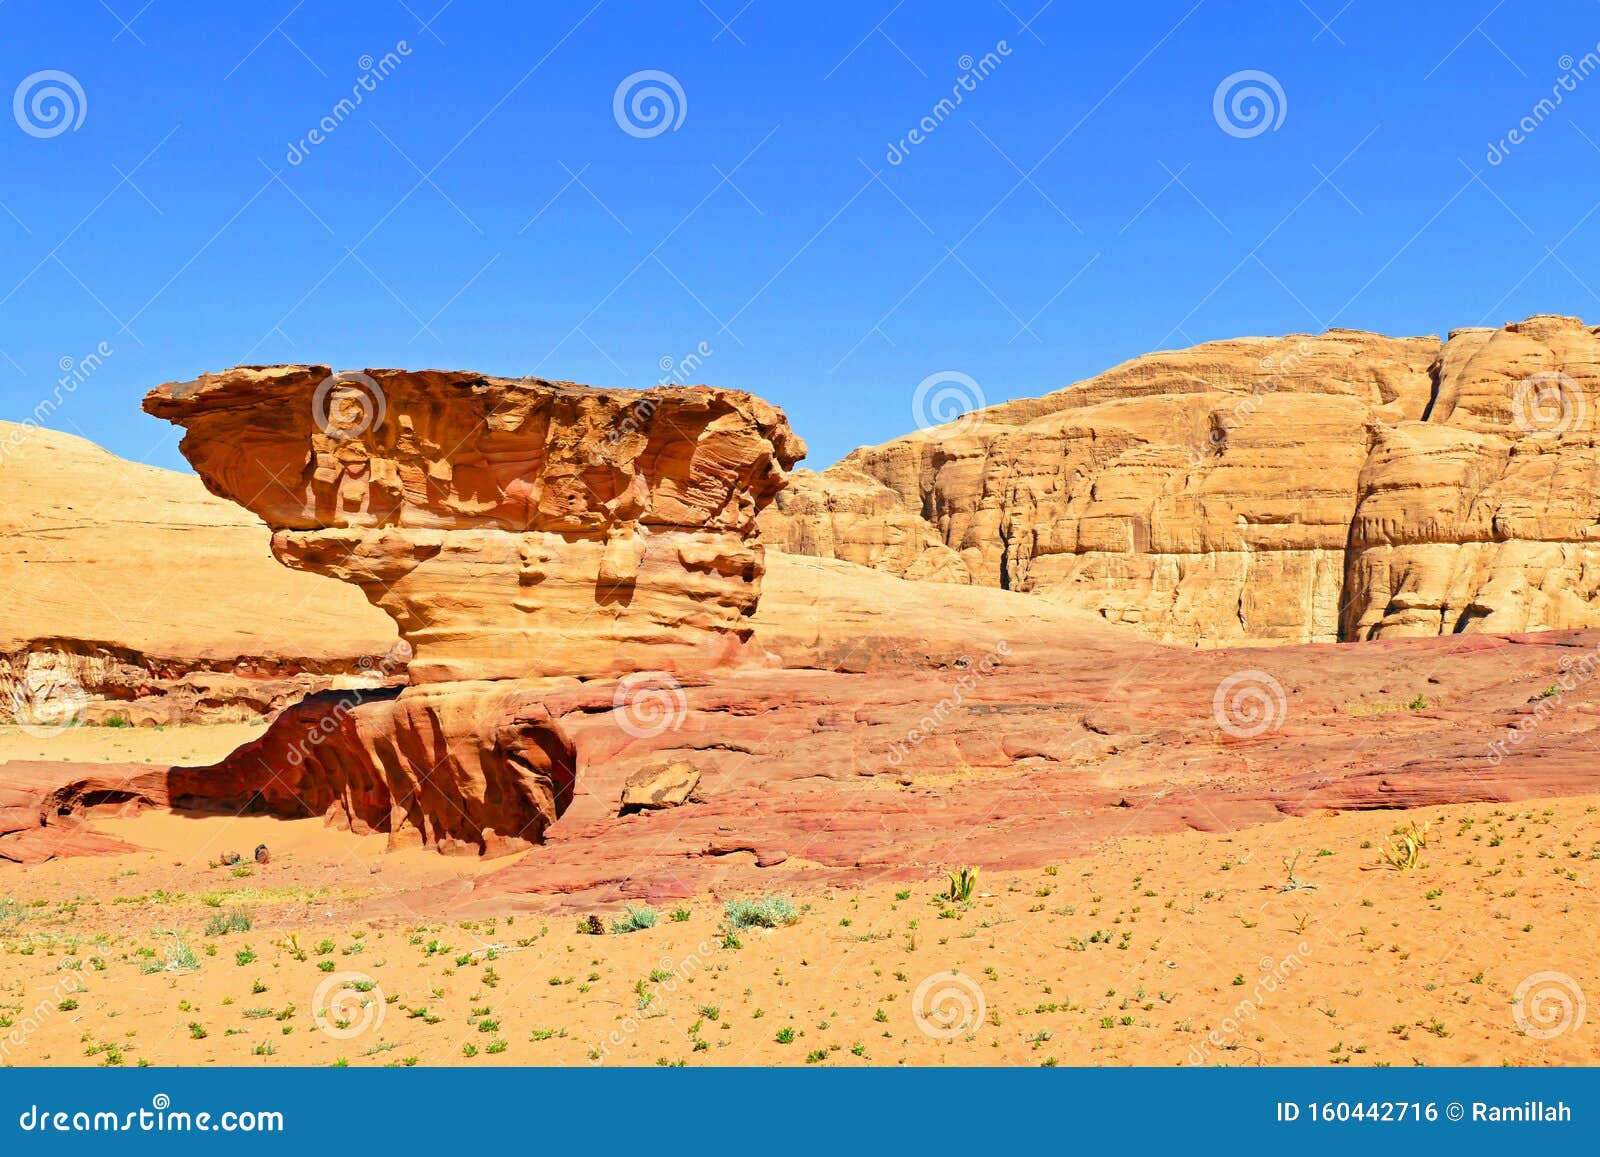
(1301, 489)
(523, 534)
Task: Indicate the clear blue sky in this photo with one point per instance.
(483, 209)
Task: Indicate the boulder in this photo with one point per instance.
(659, 787)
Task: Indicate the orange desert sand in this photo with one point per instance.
(1181, 949)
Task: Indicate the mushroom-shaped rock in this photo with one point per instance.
(522, 533)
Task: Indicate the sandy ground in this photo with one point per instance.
(1185, 949)
(169, 745)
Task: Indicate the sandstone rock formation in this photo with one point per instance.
(897, 725)
(913, 726)
(1301, 489)
(523, 534)
(513, 528)
(132, 594)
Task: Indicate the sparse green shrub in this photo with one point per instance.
(767, 912)
(221, 924)
(635, 920)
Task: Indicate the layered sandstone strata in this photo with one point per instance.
(914, 726)
(522, 533)
(512, 527)
(1299, 489)
(1485, 516)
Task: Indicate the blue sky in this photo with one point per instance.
(483, 207)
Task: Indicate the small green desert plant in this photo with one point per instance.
(767, 912)
(634, 920)
(1294, 883)
(237, 920)
(178, 957)
(1404, 854)
(963, 883)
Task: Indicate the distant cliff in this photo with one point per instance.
(1299, 489)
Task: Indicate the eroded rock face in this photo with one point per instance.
(524, 535)
(1486, 515)
(914, 725)
(512, 528)
(1301, 489)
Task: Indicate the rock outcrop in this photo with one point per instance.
(1302, 489)
(512, 528)
(524, 535)
(133, 595)
(912, 726)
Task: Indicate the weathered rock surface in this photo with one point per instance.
(155, 602)
(1052, 751)
(513, 527)
(970, 725)
(524, 534)
(663, 786)
(1300, 489)
(882, 726)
